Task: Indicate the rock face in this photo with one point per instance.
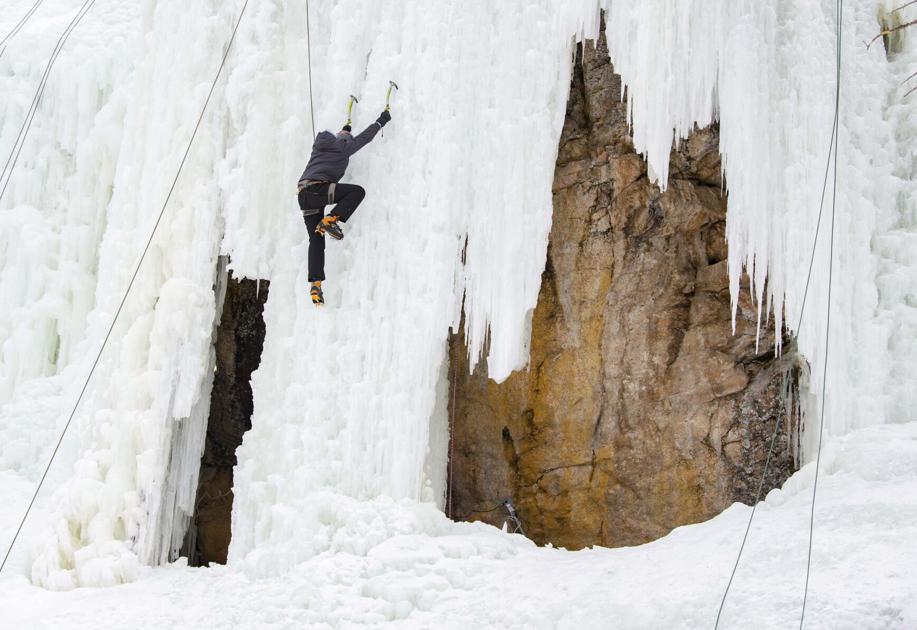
(240, 340)
(640, 411)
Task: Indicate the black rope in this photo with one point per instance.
(10, 164)
(20, 23)
(487, 511)
(450, 468)
(832, 146)
(18, 26)
(824, 378)
(754, 507)
(309, 48)
(506, 504)
(129, 285)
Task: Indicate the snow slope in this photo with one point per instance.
(419, 570)
(349, 399)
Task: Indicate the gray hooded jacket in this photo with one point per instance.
(331, 153)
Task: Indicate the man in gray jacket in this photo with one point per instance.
(318, 187)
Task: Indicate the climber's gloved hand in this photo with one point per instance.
(383, 119)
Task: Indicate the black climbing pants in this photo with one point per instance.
(312, 202)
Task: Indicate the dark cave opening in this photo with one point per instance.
(238, 346)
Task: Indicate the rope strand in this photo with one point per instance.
(129, 286)
(832, 147)
(18, 27)
(13, 158)
(449, 470)
(824, 379)
(309, 49)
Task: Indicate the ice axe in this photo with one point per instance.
(353, 99)
(388, 95)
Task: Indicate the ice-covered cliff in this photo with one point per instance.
(348, 401)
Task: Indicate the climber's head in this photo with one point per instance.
(344, 132)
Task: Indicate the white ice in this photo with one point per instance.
(766, 71)
(348, 439)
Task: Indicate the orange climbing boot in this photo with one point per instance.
(329, 225)
(316, 292)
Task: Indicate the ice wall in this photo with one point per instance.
(766, 71)
(119, 111)
(349, 407)
(53, 215)
(346, 397)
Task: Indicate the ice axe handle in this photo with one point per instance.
(388, 95)
(353, 99)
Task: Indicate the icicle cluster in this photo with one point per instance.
(766, 72)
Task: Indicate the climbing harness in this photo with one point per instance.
(129, 285)
(353, 99)
(7, 173)
(313, 182)
(832, 147)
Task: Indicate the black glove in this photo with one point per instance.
(384, 117)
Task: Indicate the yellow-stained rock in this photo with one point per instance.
(640, 410)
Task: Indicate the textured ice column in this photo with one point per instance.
(142, 424)
(51, 222)
(346, 403)
(766, 70)
(52, 214)
(895, 245)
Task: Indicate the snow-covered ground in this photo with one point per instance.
(408, 566)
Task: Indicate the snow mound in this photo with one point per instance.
(404, 565)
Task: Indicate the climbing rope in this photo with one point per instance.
(309, 48)
(18, 26)
(27, 124)
(832, 147)
(7, 172)
(773, 440)
(449, 472)
(506, 504)
(824, 378)
(129, 285)
(487, 510)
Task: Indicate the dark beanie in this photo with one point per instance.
(346, 128)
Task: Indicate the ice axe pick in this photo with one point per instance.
(353, 99)
(388, 95)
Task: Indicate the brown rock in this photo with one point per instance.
(240, 339)
(640, 410)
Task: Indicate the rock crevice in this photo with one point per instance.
(240, 340)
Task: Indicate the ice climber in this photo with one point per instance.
(318, 187)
